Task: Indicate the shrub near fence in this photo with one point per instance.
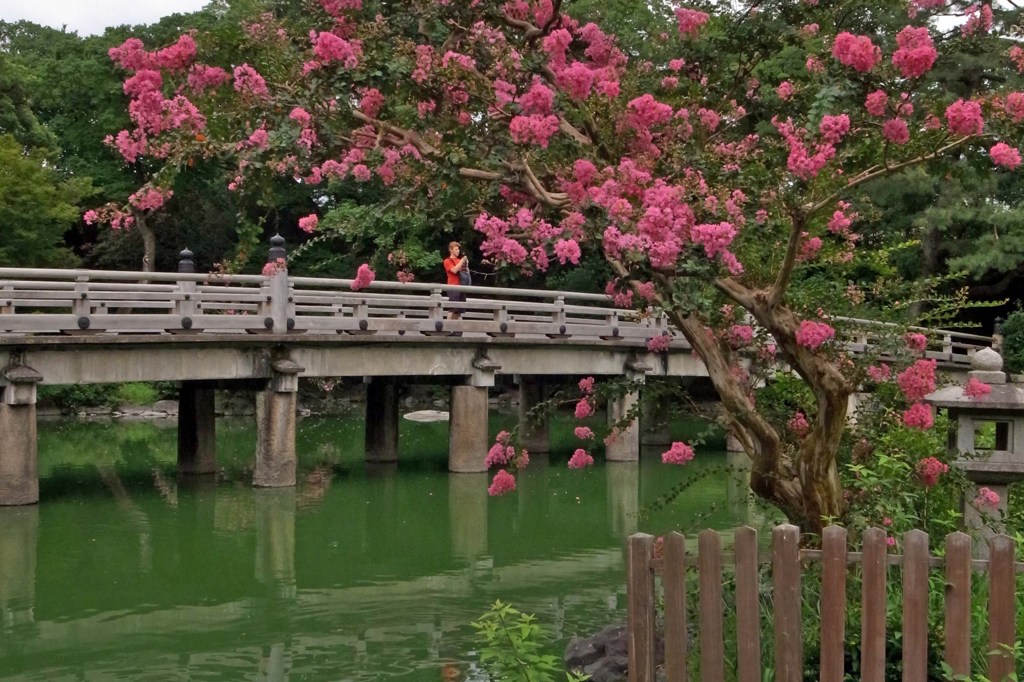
(797, 572)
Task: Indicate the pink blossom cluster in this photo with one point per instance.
(536, 130)
(813, 334)
(308, 223)
(131, 55)
(803, 162)
(918, 380)
(895, 130)
(248, 81)
(834, 128)
(539, 100)
(580, 459)
(876, 102)
(364, 277)
(918, 416)
(583, 432)
(371, 101)
(337, 8)
(329, 48)
(915, 341)
(659, 344)
(567, 251)
(809, 247)
(879, 373)
(1004, 155)
(586, 385)
(678, 453)
(274, 267)
(584, 408)
(1016, 54)
(986, 499)
(857, 52)
(929, 469)
(979, 20)
(690, 21)
(785, 90)
(502, 484)
(150, 198)
(798, 424)
(501, 454)
(915, 54)
(203, 77)
(741, 335)
(1013, 106)
(964, 117)
(976, 389)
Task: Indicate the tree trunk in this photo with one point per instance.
(148, 243)
(802, 481)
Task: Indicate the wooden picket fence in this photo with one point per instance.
(788, 562)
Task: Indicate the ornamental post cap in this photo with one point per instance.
(987, 360)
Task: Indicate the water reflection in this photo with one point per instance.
(19, 529)
(354, 574)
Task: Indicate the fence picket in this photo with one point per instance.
(674, 580)
(640, 607)
(748, 607)
(958, 603)
(789, 650)
(1001, 608)
(915, 606)
(712, 638)
(786, 558)
(833, 603)
(873, 587)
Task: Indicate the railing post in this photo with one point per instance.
(278, 307)
(81, 308)
(640, 608)
(185, 305)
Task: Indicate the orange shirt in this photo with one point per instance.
(449, 263)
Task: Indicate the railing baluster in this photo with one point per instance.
(833, 606)
(748, 607)
(640, 608)
(674, 579)
(915, 606)
(789, 651)
(1001, 608)
(958, 603)
(712, 639)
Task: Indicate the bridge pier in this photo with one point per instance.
(467, 429)
(533, 429)
(382, 420)
(19, 462)
(275, 427)
(197, 429)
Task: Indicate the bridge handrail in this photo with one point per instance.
(311, 303)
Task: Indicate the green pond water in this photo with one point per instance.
(123, 572)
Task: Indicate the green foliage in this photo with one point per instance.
(512, 646)
(1013, 342)
(36, 207)
(73, 397)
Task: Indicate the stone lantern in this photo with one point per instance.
(988, 441)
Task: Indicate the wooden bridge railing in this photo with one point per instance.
(791, 569)
(50, 301)
(46, 301)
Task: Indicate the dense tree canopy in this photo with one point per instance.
(729, 168)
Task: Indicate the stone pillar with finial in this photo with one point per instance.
(19, 466)
(987, 442)
(278, 307)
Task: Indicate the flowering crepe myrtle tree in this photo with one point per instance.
(710, 179)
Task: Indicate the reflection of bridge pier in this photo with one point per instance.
(275, 540)
(467, 515)
(19, 530)
(623, 497)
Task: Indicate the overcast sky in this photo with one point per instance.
(88, 17)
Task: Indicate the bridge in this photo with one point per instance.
(261, 332)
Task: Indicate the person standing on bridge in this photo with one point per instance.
(456, 269)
